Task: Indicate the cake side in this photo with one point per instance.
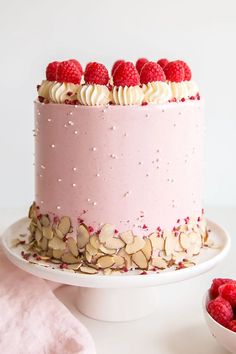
(127, 166)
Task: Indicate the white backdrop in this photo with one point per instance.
(34, 33)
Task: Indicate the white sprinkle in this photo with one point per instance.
(40, 176)
(76, 106)
(74, 168)
(98, 174)
(71, 113)
(59, 180)
(104, 110)
(43, 167)
(94, 148)
(88, 199)
(113, 156)
(74, 185)
(70, 122)
(41, 202)
(38, 113)
(113, 128)
(76, 132)
(53, 145)
(94, 203)
(49, 119)
(58, 207)
(65, 125)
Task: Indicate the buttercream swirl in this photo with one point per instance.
(156, 92)
(127, 95)
(93, 95)
(59, 92)
(192, 88)
(44, 88)
(184, 89)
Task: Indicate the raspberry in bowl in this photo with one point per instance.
(219, 307)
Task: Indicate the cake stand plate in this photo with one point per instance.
(116, 297)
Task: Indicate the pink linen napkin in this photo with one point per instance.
(33, 320)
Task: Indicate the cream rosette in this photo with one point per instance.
(127, 96)
(156, 92)
(184, 89)
(93, 95)
(44, 88)
(59, 92)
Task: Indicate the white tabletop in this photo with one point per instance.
(177, 326)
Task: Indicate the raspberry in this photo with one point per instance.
(174, 71)
(220, 310)
(151, 72)
(68, 71)
(187, 71)
(163, 62)
(216, 283)
(76, 62)
(96, 73)
(232, 325)
(51, 71)
(126, 75)
(140, 63)
(115, 65)
(228, 292)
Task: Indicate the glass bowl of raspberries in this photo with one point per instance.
(219, 307)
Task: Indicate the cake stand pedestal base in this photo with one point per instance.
(117, 304)
(116, 297)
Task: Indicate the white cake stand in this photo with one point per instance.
(119, 297)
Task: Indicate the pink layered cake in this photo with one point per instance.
(118, 167)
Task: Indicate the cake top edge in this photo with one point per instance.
(146, 82)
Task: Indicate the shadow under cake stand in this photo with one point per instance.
(116, 297)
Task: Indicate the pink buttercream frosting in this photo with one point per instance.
(125, 165)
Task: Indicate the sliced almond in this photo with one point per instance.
(179, 256)
(57, 253)
(32, 228)
(15, 242)
(47, 232)
(39, 226)
(82, 236)
(170, 244)
(195, 238)
(185, 240)
(178, 247)
(55, 261)
(157, 242)
(32, 211)
(159, 262)
(127, 237)
(88, 257)
(147, 249)
(94, 241)
(88, 270)
(59, 233)
(107, 271)
(183, 228)
(105, 262)
(140, 260)
(91, 250)
(136, 246)
(188, 264)
(127, 258)
(69, 258)
(38, 235)
(64, 225)
(57, 244)
(49, 253)
(107, 250)
(119, 261)
(45, 221)
(44, 244)
(74, 266)
(114, 243)
(106, 232)
(72, 245)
